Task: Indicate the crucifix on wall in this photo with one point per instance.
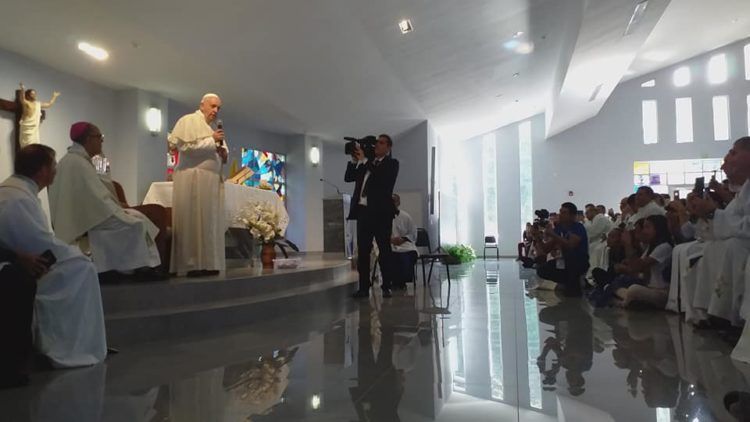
(28, 114)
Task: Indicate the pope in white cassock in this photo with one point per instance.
(121, 240)
(198, 221)
(68, 316)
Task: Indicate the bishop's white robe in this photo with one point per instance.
(198, 221)
(68, 316)
(597, 231)
(120, 239)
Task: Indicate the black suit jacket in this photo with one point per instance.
(379, 187)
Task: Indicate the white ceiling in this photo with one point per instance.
(341, 67)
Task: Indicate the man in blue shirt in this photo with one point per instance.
(568, 242)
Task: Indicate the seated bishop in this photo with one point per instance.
(86, 212)
(68, 318)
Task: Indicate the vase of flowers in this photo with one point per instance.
(264, 225)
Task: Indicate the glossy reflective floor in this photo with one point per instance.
(479, 350)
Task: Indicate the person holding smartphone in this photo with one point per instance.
(68, 315)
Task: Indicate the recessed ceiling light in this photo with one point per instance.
(97, 53)
(405, 26)
(516, 101)
(515, 75)
(517, 34)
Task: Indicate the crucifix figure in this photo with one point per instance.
(26, 99)
(31, 116)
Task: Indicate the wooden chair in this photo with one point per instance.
(161, 217)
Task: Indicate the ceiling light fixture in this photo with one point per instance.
(515, 75)
(97, 53)
(636, 17)
(405, 26)
(517, 34)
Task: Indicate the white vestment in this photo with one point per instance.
(597, 231)
(652, 208)
(721, 271)
(403, 226)
(682, 286)
(68, 316)
(198, 222)
(120, 239)
(29, 125)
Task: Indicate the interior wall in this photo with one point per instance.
(80, 100)
(595, 159)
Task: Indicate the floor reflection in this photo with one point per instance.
(481, 348)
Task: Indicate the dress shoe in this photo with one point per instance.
(387, 293)
(359, 294)
(111, 277)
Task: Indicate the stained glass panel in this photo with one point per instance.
(268, 168)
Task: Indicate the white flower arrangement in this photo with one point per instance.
(262, 220)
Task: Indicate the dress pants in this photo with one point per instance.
(17, 293)
(569, 278)
(371, 225)
(402, 269)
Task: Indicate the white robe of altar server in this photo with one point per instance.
(597, 230)
(68, 316)
(120, 239)
(198, 221)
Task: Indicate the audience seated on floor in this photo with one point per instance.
(612, 254)
(121, 240)
(567, 243)
(69, 321)
(403, 247)
(646, 205)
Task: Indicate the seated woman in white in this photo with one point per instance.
(653, 265)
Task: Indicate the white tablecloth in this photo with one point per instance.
(235, 197)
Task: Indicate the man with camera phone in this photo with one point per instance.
(374, 173)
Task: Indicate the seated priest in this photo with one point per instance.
(403, 247)
(721, 272)
(122, 241)
(68, 317)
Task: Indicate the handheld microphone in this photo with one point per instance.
(220, 126)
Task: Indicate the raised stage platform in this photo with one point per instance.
(191, 307)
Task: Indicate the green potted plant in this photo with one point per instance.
(459, 254)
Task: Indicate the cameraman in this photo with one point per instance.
(372, 206)
(569, 240)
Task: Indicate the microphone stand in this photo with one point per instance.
(331, 184)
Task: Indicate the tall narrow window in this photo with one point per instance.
(526, 173)
(489, 174)
(717, 69)
(747, 62)
(650, 122)
(684, 118)
(721, 118)
(681, 77)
